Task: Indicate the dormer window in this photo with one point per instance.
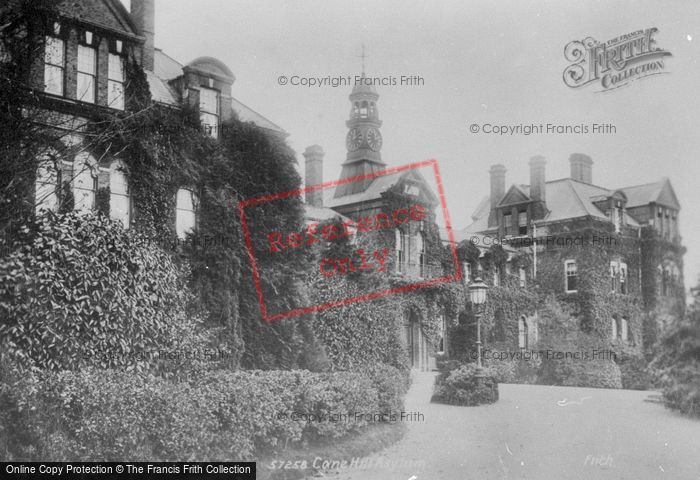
(412, 189)
(209, 110)
(522, 222)
(617, 215)
(508, 223)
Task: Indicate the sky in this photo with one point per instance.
(487, 62)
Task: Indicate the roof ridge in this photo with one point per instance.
(645, 184)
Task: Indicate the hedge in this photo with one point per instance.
(113, 415)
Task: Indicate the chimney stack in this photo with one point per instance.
(314, 174)
(538, 192)
(498, 189)
(143, 12)
(581, 167)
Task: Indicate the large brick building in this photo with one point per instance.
(413, 245)
(83, 74)
(613, 255)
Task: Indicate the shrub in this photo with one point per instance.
(677, 365)
(81, 289)
(635, 372)
(462, 386)
(111, 415)
(391, 385)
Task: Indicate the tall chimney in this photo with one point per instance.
(538, 192)
(314, 174)
(143, 13)
(498, 189)
(581, 167)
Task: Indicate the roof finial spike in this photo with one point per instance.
(364, 55)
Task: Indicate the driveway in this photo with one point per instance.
(539, 432)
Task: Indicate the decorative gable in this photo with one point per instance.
(667, 196)
(514, 196)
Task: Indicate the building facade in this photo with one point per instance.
(614, 256)
(83, 75)
(414, 246)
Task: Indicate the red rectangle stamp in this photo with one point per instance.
(360, 215)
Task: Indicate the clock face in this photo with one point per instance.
(354, 139)
(374, 139)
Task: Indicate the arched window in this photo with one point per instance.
(522, 333)
(84, 182)
(363, 109)
(48, 176)
(613, 325)
(400, 246)
(119, 197)
(185, 216)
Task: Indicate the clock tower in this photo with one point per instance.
(363, 140)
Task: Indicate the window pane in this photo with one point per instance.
(208, 100)
(115, 95)
(185, 215)
(86, 88)
(86, 59)
(84, 183)
(53, 79)
(54, 52)
(117, 181)
(119, 208)
(210, 123)
(115, 68)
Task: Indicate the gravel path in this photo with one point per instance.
(539, 432)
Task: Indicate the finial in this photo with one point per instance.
(363, 56)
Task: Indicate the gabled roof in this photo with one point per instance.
(660, 192)
(379, 185)
(166, 68)
(516, 194)
(107, 14)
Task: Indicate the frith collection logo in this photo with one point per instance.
(614, 63)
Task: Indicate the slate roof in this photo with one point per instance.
(566, 199)
(320, 214)
(166, 68)
(650, 193)
(380, 185)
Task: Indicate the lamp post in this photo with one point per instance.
(477, 295)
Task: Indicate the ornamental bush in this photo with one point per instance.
(677, 365)
(109, 415)
(462, 386)
(78, 289)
